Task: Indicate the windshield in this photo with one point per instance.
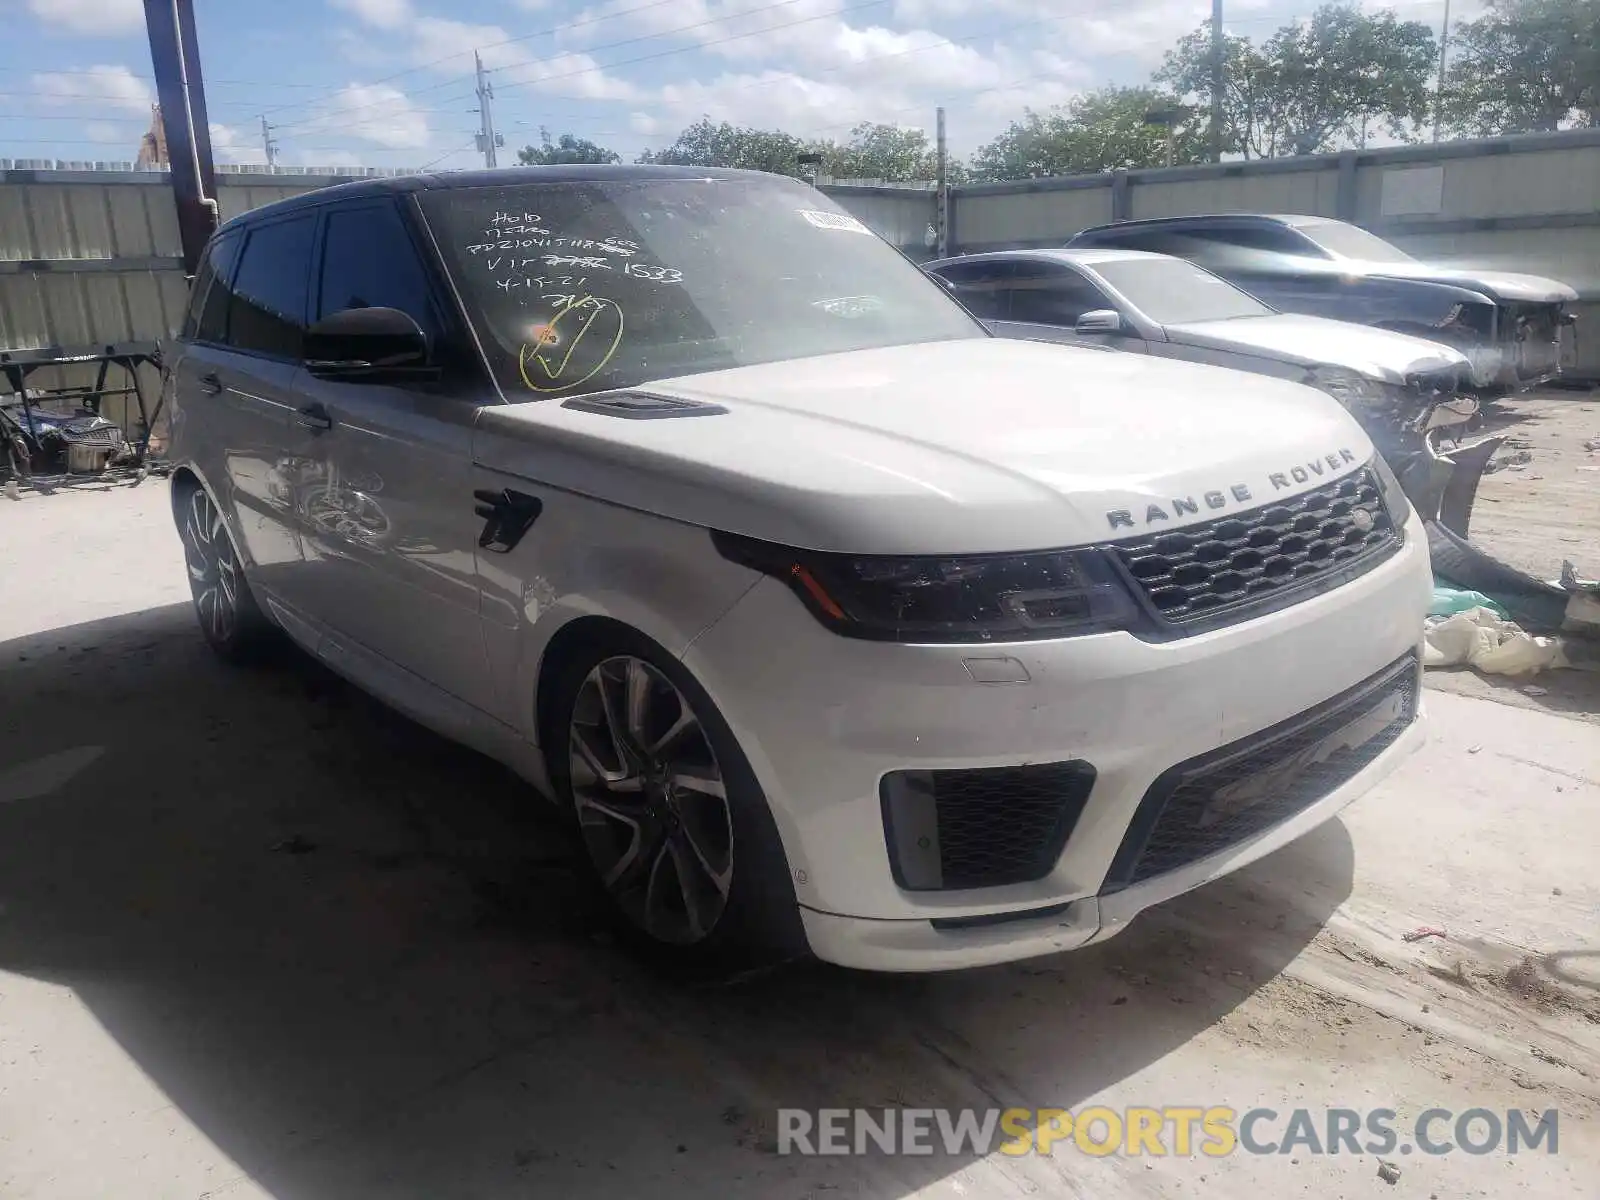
(1351, 241)
(1172, 291)
(580, 287)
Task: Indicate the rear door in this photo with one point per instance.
(385, 503)
(236, 377)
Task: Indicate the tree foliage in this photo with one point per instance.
(874, 151)
(1099, 131)
(707, 143)
(1332, 81)
(565, 149)
(1525, 65)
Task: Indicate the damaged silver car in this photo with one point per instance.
(1510, 325)
(1399, 387)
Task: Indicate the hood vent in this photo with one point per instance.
(642, 406)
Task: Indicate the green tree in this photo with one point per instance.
(566, 149)
(1099, 131)
(1525, 65)
(1187, 71)
(1331, 81)
(707, 143)
(891, 153)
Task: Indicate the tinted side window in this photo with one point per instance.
(268, 312)
(1271, 238)
(1046, 295)
(211, 324)
(981, 287)
(370, 261)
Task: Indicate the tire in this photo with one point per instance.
(1531, 602)
(691, 879)
(230, 619)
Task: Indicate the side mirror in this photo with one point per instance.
(367, 343)
(1100, 321)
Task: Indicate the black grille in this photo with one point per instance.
(1212, 802)
(1253, 561)
(984, 827)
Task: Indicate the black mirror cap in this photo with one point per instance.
(365, 341)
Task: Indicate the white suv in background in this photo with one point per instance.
(832, 621)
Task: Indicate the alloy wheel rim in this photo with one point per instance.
(213, 567)
(651, 802)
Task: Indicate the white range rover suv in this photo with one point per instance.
(832, 621)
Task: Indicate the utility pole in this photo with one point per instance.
(269, 143)
(1438, 90)
(1218, 80)
(488, 139)
(941, 241)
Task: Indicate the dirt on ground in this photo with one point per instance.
(261, 937)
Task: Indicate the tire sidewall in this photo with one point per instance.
(761, 923)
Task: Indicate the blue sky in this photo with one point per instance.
(389, 82)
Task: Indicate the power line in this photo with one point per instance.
(861, 4)
(525, 37)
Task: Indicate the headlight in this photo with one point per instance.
(1394, 496)
(980, 598)
(1352, 390)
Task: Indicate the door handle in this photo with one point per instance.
(314, 416)
(210, 383)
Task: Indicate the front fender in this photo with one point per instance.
(584, 558)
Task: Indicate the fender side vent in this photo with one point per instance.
(642, 406)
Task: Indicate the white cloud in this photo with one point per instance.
(381, 14)
(378, 113)
(91, 18)
(232, 145)
(99, 87)
(515, 67)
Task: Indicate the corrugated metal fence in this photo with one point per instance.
(89, 257)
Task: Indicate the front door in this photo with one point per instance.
(1045, 302)
(384, 493)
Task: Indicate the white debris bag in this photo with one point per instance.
(1480, 639)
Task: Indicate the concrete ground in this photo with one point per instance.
(260, 937)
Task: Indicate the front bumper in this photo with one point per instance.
(823, 719)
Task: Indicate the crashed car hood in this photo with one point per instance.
(1503, 286)
(1316, 341)
(968, 446)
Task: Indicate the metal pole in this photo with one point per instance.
(180, 88)
(1438, 90)
(942, 228)
(268, 144)
(1218, 80)
(485, 118)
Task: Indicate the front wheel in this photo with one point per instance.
(672, 819)
(230, 620)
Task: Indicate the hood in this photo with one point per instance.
(1316, 341)
(969, 446)
(1507, 287)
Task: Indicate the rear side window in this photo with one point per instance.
(268, 311)
(981, 287)
(208, 302)
(370, 261)
(1272, 238)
